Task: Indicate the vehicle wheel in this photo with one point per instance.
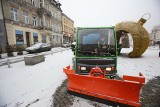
(29, 52)
(38, 51)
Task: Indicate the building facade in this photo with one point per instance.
(2, 30)
(155, 35)
(67, 29)
(31, 21)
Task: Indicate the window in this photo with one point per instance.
(52, 27)
(58, 15)
(47, 7)
(57, 38)
(19, 37)
(40, 3)
(59, 28)
(32, 2)
(26, 19)
(43, 38)
(157, 34)
(50, 38)
(56, 28)
(41, 21)
(55, 14)
(14, 14)
(102, 39)
(52, 12)
(34, 21)
(35, 38)
(47, 23)
(154, 36)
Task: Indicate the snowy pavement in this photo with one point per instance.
(148, 64)
(24, 86)
(17, 58)
(33, 86)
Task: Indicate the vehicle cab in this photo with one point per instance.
(96, 47)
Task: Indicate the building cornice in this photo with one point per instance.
(13, 4)
(64, 15)
(21, 24)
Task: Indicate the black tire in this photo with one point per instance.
(49, 49)
(38, 51)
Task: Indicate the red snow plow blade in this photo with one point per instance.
(125, 91)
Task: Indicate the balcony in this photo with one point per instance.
(24, 4)
(40, 27)
(41, 11)
(48, 28)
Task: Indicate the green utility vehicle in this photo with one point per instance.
(95, 47)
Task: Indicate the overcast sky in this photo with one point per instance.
(88, 13)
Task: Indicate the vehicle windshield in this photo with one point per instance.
(96, 42)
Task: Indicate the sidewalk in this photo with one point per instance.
(18, 58)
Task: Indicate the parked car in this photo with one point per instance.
(39, 47)
(66, 44)
(73, 46)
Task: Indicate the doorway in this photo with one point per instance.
(27, 39)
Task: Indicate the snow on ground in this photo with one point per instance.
(80, 102)
(33, 86)
(148, 64)
(23, 85)
(5, 57)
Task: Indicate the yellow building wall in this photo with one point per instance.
(12, 35)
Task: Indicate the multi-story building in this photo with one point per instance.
(155, 35)
(67, 28)
(2, 30)
(32, 21)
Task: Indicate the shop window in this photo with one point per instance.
(19, 37)
(35, 38)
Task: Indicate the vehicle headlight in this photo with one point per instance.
(83, 68)
(108, 69)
